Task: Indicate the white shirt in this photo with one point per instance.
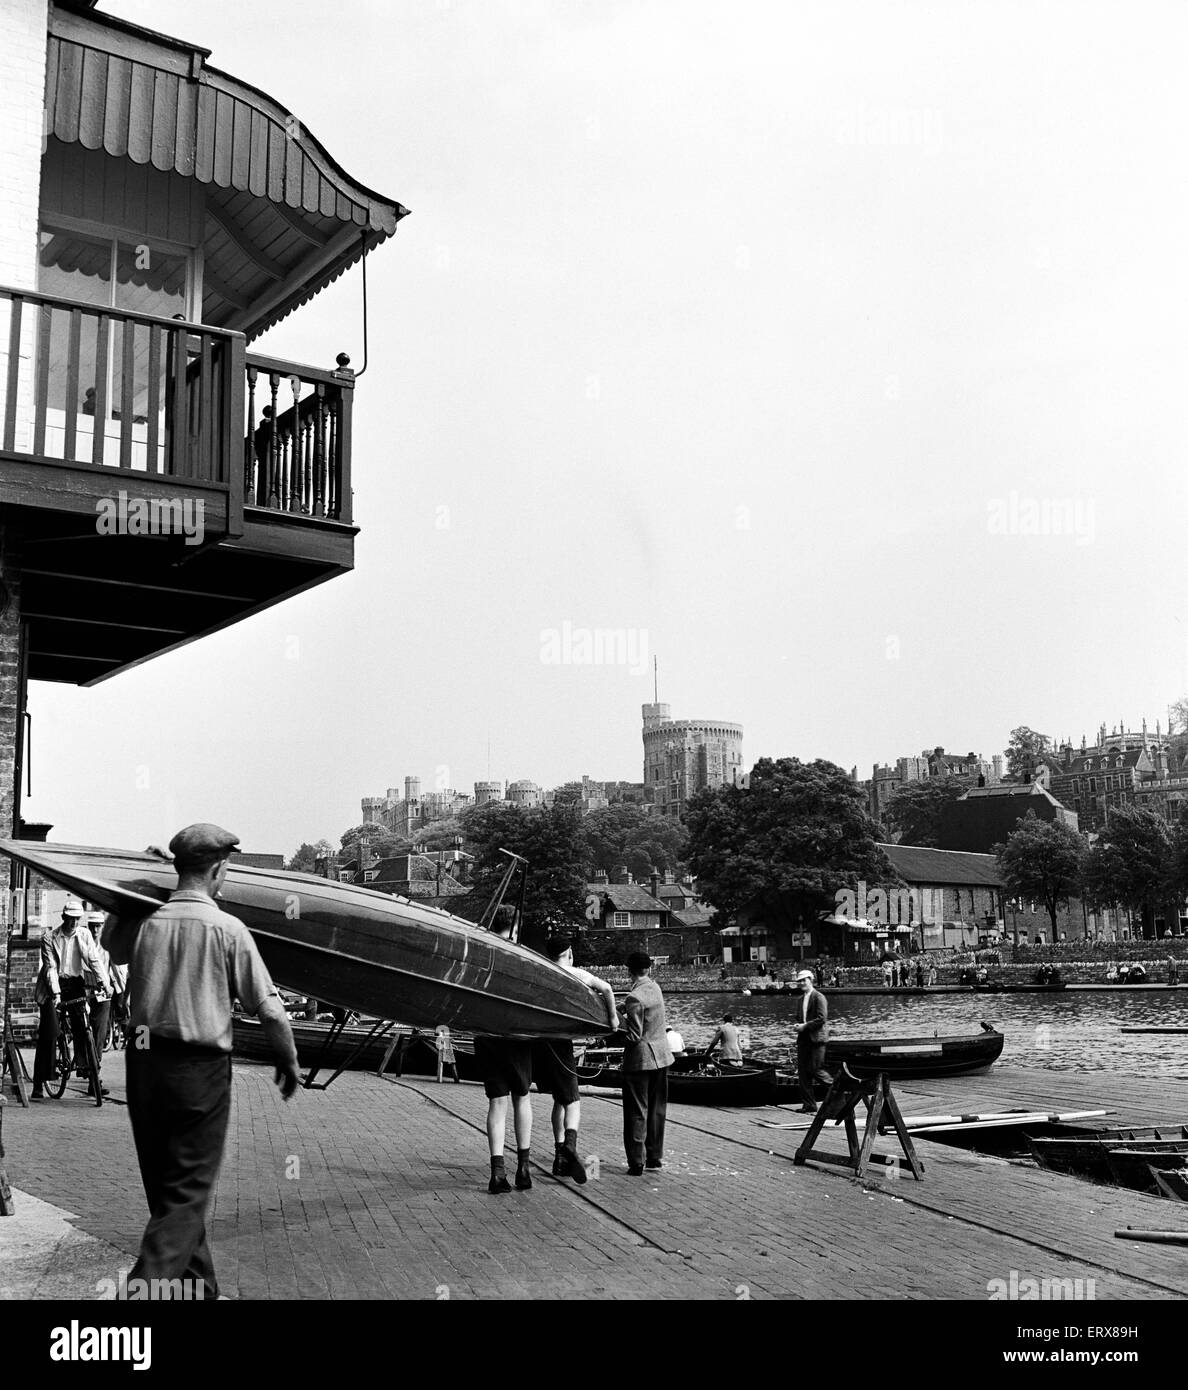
(675, 1041)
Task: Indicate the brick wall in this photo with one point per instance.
(24, 961)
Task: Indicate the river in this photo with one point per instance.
(1070, 1031)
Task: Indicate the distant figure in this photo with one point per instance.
(931, 973)
(762, 969)
(1173, 971)
(646, 1060)
(812, 1033)
(727, 1035)
(445, 1053)
(675, 1041)
(887, 973)
(919, 974)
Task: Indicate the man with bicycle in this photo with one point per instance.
(70, 963)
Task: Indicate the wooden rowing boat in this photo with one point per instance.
(1131, 1167)
(379, 954)
(1085, 1153)
(904, 1058)
(1170, 1182)
(690, 1080)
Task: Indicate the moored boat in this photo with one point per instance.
(906, 1058)
(1131, 1167)
(691, 1081)
(1085, 1153)
(1170, 1182)
(382, 955)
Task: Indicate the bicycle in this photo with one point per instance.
(67, 1062)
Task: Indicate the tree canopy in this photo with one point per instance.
(1132, 863)
(916, 809)
(624, 834)
(789, 841)
(1024, 752)
(1042, 861)
(305, 858)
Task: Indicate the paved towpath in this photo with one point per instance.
(377, 1189)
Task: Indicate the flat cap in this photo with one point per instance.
(202, 843)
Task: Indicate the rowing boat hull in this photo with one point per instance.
(378, 954)
(748, 1085)
(1170, 1183)
(1131, 1167)
(1086, 1155)
(909, 1058)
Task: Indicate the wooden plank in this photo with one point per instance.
(140, 113)
(152, 443)
(127, 382)
(117, 112)
(204, 465)
(177, 421)
(102, 338)
(73, 403)
(16, 308)
(41, 390)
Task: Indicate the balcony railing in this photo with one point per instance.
(91, 387)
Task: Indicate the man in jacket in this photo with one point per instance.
(812, 1033)
(646, 1060)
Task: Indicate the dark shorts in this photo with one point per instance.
(553, 1069)
(506, 1065)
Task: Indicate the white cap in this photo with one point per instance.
(804, 975)
(73, 908)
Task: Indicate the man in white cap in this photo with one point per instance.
(812, 1033)
(70, 964)
(188, 961)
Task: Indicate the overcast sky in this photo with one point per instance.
(832, 352)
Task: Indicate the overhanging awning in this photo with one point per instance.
(285, 219)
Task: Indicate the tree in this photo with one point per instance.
(305, 859)
(625, 834)
(790, 840)
(568, 794)
(1177, 728)
(1132, 863)
(381, 841)
(438, 834)
(1024, 752)
(1043, 861)
(550, 839)
(916, 810)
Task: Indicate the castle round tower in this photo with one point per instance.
(685, 756)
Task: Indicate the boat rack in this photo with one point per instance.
(379, 1029)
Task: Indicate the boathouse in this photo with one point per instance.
(159, 480)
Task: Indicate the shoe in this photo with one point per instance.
(523, 1180)
(577, 1169)
(499, 1183)
(653, 1163)
(561, 1167)
(634, 1170)
(36, 1093)
(807, 1110)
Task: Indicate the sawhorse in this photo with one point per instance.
(841, 1102)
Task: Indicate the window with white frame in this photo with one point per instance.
(622, 919)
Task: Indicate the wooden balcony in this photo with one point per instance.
(161, 482)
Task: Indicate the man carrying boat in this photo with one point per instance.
(554, 1069)
(188, 961)
(812, 1033)
(507, 1071)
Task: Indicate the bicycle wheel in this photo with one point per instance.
(65, 1061)
(92, 1063)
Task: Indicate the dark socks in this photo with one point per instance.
(523, 1176)
(499, 1182)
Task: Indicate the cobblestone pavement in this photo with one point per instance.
(377, 1189)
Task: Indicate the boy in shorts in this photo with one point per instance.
(507, 1070)
(553, 1069)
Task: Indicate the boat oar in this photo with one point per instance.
(1155, 1237)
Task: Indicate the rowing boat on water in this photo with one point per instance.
(906, 1058)
(1085, 1153)
(379, 954)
